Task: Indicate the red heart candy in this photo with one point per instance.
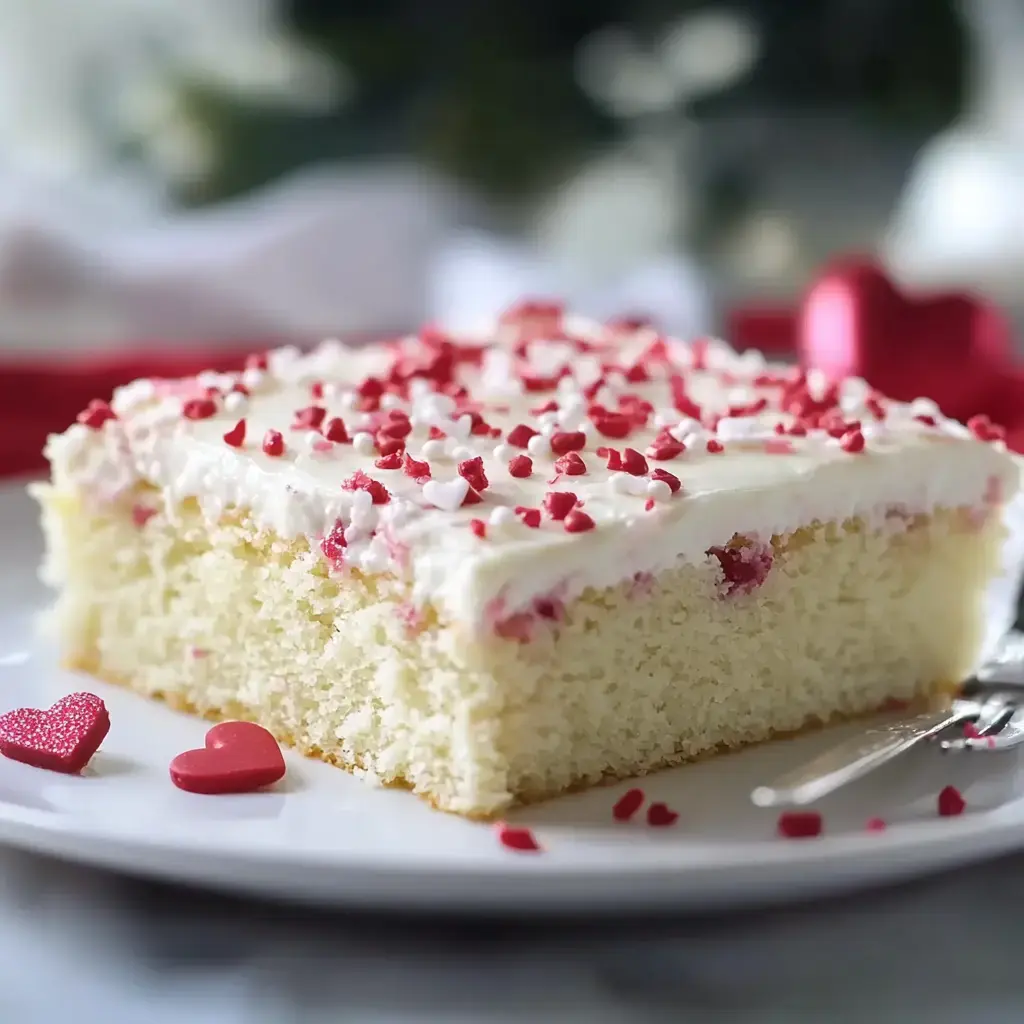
(62, 739)
(949, 347)
(239, 757)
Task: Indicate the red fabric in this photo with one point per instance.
(41, 396)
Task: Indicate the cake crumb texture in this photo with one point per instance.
(234, 622)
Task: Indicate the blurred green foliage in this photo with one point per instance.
(486, 89)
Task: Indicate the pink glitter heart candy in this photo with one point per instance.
(62, 739)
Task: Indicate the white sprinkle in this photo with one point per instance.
(502, 517)
(505, 452)
(363, 443)
(666, 418)
(373, 560)
(733, 428)
(924, 407)
(447, 495)
(659, 490)
(390, 401)
(252, 378)
(538, 445)
(460, 428)
(460, 452)
(685, 428)
(547, 419)
(234, 401)
(348, 400)
(433, 450)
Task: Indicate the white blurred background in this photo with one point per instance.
(192, 171)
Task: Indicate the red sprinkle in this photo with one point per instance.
(799, 824)
(316, 390)
(670, 478)
(660, 815)
(335, 431)
(479, 528)
(875, 825)
(472, 470)
(559, 503)
(96, 414)
(273, 443)
(852, 441)
(519, 436)
(665, 449)
(951, 802)
(236, 435)
(436, 434)
(199, 409)
(309, 418)
(628, 804)
(612, 424)
(334, 544)
(393, 460)
(578, 521)
(984, 429)
(529, 516)
(971, 731)
(520, 839)
(359, 481)
(520, 466)
(715, 447)
(649, 504)
(571, 465)
(415, 469)
(634, 463)
(256, 361)
(568, 441)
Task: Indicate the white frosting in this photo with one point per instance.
(760, 484)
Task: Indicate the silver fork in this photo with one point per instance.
(1009, 737)
(988, 699)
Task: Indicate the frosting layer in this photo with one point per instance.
(542, 457)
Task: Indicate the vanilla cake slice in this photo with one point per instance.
(495, 568)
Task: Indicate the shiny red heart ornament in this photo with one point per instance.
(62, 739)
(239, 757)
(949, 347)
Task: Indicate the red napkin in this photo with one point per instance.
(41, 396)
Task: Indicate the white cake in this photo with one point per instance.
(495, 568)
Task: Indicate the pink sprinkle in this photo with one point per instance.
(479, 528)
(875, 825)
(335, 431)
(96, 414)
(141, 514)
(715, 447)
(199, 409)
(628, 804)
(971, 731)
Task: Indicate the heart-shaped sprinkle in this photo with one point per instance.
(446, 494)
(239, 757)
(62, 739)
(660, 815)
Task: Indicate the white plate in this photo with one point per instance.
(326, 837)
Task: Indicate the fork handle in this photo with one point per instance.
(855, 758)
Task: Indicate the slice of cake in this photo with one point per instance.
(495, 568)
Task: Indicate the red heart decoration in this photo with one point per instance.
(950, 347)
(62, 739)
(239, 757)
